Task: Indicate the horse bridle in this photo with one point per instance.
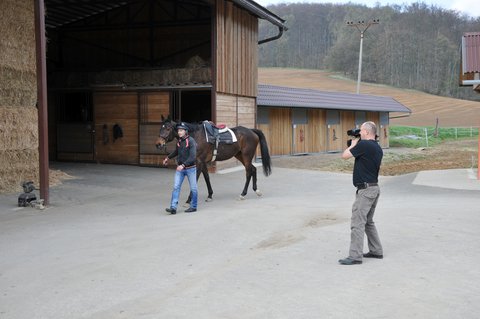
(169, 129)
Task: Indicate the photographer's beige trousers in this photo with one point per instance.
(362, 223)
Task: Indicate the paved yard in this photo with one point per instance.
(106, 248)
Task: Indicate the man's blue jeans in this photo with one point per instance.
(191, 174)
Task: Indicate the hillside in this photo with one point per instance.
(426, 108)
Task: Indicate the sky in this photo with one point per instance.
(468, 7)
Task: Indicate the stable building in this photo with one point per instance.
(297, 121)
(89, 80)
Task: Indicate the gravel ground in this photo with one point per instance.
(396, 161)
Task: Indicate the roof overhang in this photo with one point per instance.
(261, 12)
(279, 96)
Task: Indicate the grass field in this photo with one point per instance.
(426, 108)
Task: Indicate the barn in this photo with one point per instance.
(105, 72)
(298, 121)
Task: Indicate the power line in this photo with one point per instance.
(362, 27)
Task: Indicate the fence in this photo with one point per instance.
(432, 134)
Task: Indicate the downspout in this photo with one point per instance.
(40, 44)
(278, 36)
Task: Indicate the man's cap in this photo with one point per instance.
(182, 125)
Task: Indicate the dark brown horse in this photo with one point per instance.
(243, 149)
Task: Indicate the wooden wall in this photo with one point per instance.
(285, 138)
(236, 50)
(116, 108)
(234, 110)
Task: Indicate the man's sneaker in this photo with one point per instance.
(190, 210)
(370, 255)
(349, 261)
(171, 210)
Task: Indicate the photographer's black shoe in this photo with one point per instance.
(171, 210)
(370, 255)
(190, 210)
(349, 261)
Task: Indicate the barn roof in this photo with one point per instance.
(280, 96)
(60, 13)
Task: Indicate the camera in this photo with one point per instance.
(354, 133)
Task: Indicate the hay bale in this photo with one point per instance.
(19, 155)
(18, 95)
(17, 166)
(17, 43)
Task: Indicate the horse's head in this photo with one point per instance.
(167, 132)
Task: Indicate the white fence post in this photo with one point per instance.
(426, 135)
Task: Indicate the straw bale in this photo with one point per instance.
(18, 128)
(17, 27)
(17, 87)
(195, 62)
(154, 77)
(17, 166)
(19, 140)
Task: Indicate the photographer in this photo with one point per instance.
(368, 158)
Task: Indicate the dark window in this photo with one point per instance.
(262, 115)
(384, 120)
(333, 117)
(360, 118)
(299, 116)
(74, 107)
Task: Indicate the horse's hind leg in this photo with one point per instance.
(207, 181)
(251, 171)
(254, 181)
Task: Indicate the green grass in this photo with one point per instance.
(414, 137)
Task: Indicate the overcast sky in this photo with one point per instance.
(469, 7)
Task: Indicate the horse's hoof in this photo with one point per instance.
(241, 197)
(258, 192)
(209, 199)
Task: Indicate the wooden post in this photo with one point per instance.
(40, 44)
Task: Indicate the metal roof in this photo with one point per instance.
(280, 96)
(471, 52)
(62, 12)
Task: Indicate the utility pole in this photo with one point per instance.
(362, 27)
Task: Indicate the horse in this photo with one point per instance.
(243, 149)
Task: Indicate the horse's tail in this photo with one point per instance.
(266, 162)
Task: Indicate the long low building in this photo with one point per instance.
(297, 121)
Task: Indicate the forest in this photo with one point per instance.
(414, 46)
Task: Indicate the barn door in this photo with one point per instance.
(334, 136)
(299, 125)
(74, 126)
(116, 126)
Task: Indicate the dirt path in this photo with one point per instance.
(396, 161)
